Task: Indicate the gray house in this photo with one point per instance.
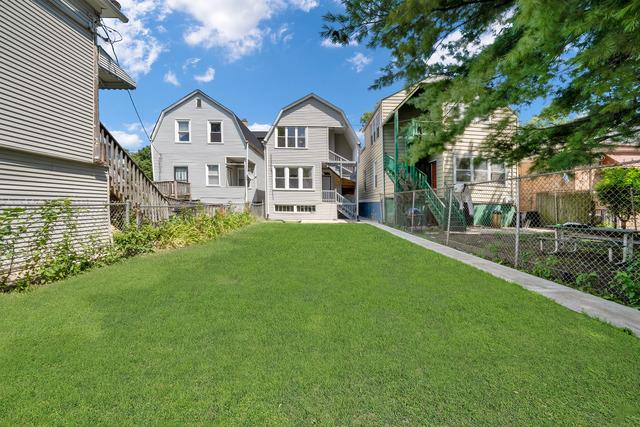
(311, 163)
(51, 73)
(199, 141)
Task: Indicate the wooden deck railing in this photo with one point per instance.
(127, 182)
(174, 189)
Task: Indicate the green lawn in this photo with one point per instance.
(304, 324)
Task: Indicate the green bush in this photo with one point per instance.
(628, 282)
(545, 267)
(619, 190)
(50, 259)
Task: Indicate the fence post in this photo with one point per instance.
(127, 212)
(138, 218)
(517, 242)
(413, 207)
(449, 216)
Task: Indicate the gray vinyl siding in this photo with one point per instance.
(198, 153)
(27, 180)
(48, 75)
(317, 117)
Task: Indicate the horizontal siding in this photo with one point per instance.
(199, 153)
(27, 180)
(47, 101)
(311, 113)
(389, 103)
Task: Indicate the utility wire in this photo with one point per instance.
(115, 57)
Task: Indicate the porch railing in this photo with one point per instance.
(127, 182)
(174, 189)
(342, 166)
(329, 196)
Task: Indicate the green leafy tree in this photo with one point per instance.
(364, 118)
(142, 157)
(580, 57)
(619, 190)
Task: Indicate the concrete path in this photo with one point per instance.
(582, 302)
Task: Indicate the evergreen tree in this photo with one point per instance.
(581, 57)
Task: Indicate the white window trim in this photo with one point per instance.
(472, 157)
(176, 131)
(286, 136)
(206, 175)
(300, 179)
(209, 132)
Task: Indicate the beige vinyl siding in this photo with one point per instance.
(470, 142)
(47, 99)
(389, 103)
(372, 153)
(199, 153)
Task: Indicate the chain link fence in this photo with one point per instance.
(577, 227)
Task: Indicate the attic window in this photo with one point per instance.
(198, 103)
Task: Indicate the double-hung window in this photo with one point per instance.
(215, 132)
(213, 175)
(468, 168)
(293, 178)
(291, 137)
(183, 131)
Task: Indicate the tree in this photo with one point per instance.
(364, 118)
(142, 157)
(619, 191)
(580, 56)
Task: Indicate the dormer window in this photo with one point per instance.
(198, 103)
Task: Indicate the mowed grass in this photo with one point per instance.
(307, 324)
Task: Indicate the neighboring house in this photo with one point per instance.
(199, 141)
(311, 155)
(51, 70)
(393, 126)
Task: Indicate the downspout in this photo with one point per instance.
(266, 180)
(246, 174)
(357, 182)
(395, 142)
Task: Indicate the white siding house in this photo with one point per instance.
(311, 154)
(200, 141)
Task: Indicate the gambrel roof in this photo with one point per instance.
(248, 136)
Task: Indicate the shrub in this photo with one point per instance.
(545, 267)
(628, 282)
(55, 252)
(619, 190)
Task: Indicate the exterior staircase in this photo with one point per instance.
(345, 206)
(408, 178)
(341, 166)
(127, 182)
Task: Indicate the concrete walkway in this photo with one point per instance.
(582, 302)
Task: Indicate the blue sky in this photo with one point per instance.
(254, 56)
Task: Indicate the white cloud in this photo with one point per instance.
(260, 127)
(138, 49)
(360, 135)
(130, 141)
(359, 61)
(305, 5)
(328, 43)
(443, 56)
(190, 62)
(171, 78)
(235, 26)
(281, 35)
(205, 77)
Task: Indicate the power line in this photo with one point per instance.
(115, 55)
